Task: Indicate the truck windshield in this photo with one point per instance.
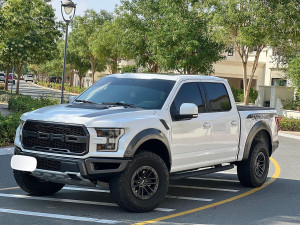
(141, 93)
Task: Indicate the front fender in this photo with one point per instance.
(142, 137)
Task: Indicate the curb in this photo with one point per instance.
(6, 150)
(289, 135)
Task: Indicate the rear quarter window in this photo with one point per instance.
(217, 97)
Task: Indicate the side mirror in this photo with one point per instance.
(72, 98)
(187, 111)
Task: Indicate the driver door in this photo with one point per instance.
(191, 138)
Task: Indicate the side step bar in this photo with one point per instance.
(218, 168)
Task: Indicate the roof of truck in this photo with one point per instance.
(174, 77)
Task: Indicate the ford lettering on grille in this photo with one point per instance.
(52, 137)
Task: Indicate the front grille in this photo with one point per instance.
(57, 138)
(48, 164)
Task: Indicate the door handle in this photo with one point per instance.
(234, 123)
(206, 125)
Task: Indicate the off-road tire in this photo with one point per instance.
(121, 185)
(34, 186)
(247, 171)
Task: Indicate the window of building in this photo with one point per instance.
(217, 97)
(279, 82)
(230, 50)
(188, 93)
(252, 49)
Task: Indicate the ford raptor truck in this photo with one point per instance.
(135, 132)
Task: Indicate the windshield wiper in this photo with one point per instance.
(119, 104)
(85, 101)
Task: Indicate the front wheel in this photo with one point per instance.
(35, 186)
(143, 185)
(253, 172)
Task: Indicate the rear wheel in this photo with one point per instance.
(143, 185)
(253, 172)
(35, 186)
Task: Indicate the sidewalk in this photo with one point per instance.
(52, 89)
(290, 134)
(6, 150)
(4, 109)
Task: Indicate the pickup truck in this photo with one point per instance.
(135, 132)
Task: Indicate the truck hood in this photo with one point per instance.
(88, 114)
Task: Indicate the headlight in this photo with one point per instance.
(109, 138)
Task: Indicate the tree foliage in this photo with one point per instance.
(31, 32)
(84, 29)
(248, 25)
(170, 35)
(107, 44)
(293, 73)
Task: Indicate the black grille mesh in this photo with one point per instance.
(48, 164)
(57, 146)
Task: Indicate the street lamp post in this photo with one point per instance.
(69, 8)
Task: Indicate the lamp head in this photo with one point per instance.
(69, 8)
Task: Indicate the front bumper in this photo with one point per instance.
(92, 169)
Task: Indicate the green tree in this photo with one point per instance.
(5, 46)
(31, 28)
(293, 73)
(84, 28)
(107, 44)
(77, 62)
(170, 35)
(288, 45)
(248, 26)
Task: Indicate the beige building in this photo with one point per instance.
(267, 73)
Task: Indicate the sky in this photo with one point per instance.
(83, 5)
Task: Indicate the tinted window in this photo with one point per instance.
(142, 93)
(188, 93)
(217, 97)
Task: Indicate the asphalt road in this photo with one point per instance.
(277, 203)
(28, 88)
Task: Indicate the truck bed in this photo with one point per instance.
(252, 108)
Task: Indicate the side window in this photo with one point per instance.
(188, 93)
(217, 97)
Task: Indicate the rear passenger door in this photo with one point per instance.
(224, 121)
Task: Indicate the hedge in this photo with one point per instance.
(239, 95)
(289, 124)
(23, 103)
(19, 105)
(8, 126)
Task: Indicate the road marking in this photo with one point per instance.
(204, 188)
(86, 189)
(71, 201)
(212, 179)
(58, 216)
(273, 178)
(168, 196)
(227, 172)
(9, 188)
(190, 198)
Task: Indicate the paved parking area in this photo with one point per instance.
(79, 205)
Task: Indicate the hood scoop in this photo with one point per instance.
(87, 106)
